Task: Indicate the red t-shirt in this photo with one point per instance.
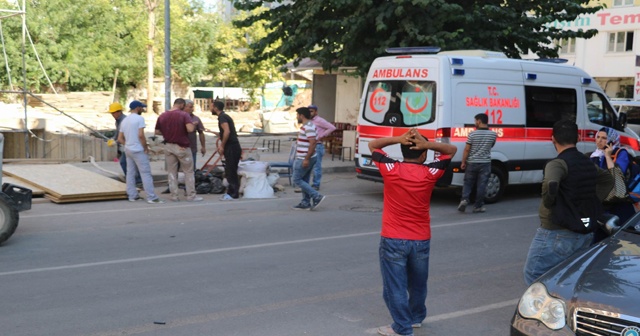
(407, 195)
(173, 125)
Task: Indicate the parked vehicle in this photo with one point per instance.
(441, 93)
(13, 199)
(595, 292)
(632, 109)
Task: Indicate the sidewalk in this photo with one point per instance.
(270, 154)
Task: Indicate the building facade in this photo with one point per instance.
(610, 57)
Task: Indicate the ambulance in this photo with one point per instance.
(440, 93)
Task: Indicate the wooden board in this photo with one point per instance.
(83, 199)
(67, 182)
(35, 191)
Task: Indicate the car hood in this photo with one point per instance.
(606, 277)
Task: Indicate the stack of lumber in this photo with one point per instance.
(74, 101)
(35, 191)
(65, 183)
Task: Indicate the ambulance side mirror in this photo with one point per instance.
(622, 121)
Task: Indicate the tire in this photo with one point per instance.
(496, 185)
(8, 217)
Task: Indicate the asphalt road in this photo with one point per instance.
(254, 267)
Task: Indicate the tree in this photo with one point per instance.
(354, 32)
(233, 62)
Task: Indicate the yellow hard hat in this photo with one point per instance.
(115, 107)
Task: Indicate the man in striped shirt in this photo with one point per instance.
(305, 160)
(476, 163)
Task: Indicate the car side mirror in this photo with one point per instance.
(622, 121)
(609, 223)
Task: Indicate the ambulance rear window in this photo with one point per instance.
(402, 103)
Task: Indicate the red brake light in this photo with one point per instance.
(443, 133)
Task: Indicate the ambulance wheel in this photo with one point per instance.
(496, 185)
(8, 217)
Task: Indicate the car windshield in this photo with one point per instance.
(632, 225)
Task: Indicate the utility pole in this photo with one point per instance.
(167, 55)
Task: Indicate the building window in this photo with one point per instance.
(620, 42)
(567, 46)
(618, 3)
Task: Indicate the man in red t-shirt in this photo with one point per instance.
(174, 126)
(406, 229)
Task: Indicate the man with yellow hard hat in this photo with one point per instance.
(116, 111)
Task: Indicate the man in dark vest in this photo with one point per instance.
(572, 192)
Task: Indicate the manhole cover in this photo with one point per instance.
(361, 208)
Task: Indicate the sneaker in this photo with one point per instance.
(388, 331)
(195, 199)
(316, 187)
(463, 205)
(316, 201)
(226, 197)
(167, 191)
(416, 325)
(298, 190)
(301, 206)
(155, 201)
(135, 199)
(480, 209)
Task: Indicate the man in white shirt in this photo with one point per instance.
(136, 150)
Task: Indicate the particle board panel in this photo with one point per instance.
(65, 181)
(35, 191)
(83, 199)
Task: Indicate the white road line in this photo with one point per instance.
(236, 248)
(481, 309)
(461, 313)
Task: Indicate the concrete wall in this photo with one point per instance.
(348, 92)
(324, 95)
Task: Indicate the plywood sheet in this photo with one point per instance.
(35, 191)
(65, 181)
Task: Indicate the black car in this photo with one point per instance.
(596, 292)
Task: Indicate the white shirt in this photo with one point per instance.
(129, 128)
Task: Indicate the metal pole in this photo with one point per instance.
(24, 76)
(167, 56)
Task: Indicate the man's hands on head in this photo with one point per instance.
(416, 140)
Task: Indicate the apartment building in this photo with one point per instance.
(612, 56)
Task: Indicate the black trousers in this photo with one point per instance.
(232, 154)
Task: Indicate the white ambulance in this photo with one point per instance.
(441, 93)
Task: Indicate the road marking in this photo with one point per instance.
(476, 310)
(236, 248)
(461, 313)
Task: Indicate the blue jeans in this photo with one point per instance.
(551, 247)
(138, 164)
(317, 168)
(405, 269)
(476, 173)
(123, 164)
(301, 177)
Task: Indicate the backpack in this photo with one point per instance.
(632, 177)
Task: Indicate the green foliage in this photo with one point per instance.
(354, 32)
(82, 43)
(234, 63)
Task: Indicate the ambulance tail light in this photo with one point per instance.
(355, 150)
(443, 134)
(404, 56)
